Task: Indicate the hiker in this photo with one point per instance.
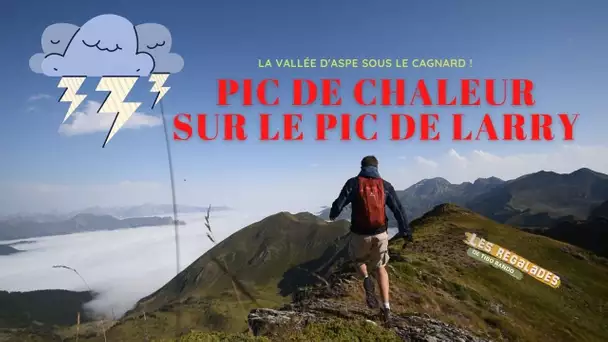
(368, 195)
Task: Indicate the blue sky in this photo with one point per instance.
(560, 45)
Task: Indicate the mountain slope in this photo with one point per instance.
(479, 295)
(257, 255)
(591, 234)
(541, 198)
(426, 194)
(433, 279)
(50, 307)
(268, 258)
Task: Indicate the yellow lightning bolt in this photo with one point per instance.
(72, 84)
(119, 88)
(159, 80)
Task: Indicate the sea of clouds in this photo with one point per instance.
(122, 265)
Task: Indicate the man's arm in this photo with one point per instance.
(394, 204)
(343, 199)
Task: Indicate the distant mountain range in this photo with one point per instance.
(541, 199)
(548, 203)
(24, 229)
(426, 194)
(535, 200)
(147, 209)
(24, 226)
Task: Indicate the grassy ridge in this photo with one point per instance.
(440, 279)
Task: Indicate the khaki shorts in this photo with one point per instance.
(371, 250)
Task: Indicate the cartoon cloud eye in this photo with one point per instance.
(156, 45)
(56, 37)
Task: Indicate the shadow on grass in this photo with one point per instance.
(317, 270)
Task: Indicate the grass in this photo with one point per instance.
(343, 331)
(333, 330)
(197, 336)
(336, 330)
(218, 313)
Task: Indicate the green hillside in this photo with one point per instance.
(268, 260)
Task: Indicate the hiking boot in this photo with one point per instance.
(386, 317)
(370, 293)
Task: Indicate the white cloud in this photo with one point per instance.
(90, 121)
(459, 167)
(425, 162)
(456, 156)
(39, 97)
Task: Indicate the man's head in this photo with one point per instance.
(369, 161)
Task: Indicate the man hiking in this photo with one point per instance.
(368, 195)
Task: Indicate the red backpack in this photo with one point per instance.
(369, 206)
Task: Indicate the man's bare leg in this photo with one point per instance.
(382, 278)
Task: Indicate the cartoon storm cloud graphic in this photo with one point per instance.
(55, 40)
(155, 39)
(112, 48)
